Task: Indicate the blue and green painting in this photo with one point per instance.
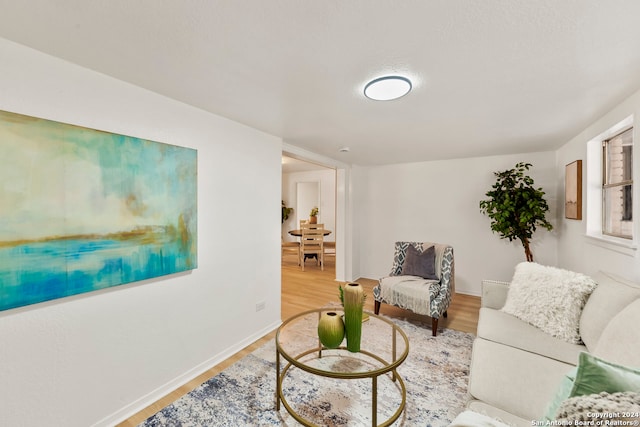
(82, 210)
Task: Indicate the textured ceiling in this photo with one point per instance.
(490, 77)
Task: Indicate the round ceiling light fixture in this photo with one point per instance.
(387, 88)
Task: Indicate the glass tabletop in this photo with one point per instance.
(384, 346)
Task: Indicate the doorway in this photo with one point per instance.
(307, 185)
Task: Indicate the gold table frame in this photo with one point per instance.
(387, 367)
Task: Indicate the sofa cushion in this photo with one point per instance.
(498, 326)
(607, 300)
(619, 340)
(514, 380)
(549, 298)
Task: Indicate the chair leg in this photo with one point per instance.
(376, 307)
(434, 326)
(445, 314)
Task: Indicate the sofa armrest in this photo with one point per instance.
(494, 293)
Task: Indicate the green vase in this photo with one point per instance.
(353, 306)
(330, 329)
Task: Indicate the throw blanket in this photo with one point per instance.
(408, 292)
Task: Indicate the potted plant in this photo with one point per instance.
(313, 216)
(285, 212)
(516, 207)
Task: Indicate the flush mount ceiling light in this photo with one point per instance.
(387, 88)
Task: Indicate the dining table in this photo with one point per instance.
(298, 233)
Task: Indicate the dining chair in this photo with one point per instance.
(312, 243)
(330, 248)
(291, 247)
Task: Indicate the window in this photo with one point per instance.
(617, 185)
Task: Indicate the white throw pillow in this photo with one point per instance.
(549, 298)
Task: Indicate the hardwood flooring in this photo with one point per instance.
(311, 289)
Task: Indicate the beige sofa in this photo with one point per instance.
(516, 368)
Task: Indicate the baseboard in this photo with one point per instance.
(155, 395)
(473, 294)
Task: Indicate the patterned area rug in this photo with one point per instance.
(435, 373)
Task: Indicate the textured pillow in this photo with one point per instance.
(549, 298)
(620, 408)
(596, 375)
(420, 264)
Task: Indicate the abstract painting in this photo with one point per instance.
(82, 209)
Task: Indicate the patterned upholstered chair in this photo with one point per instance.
(406, 286)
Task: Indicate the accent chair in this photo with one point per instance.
(422, 280)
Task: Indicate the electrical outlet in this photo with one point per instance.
(260, 305)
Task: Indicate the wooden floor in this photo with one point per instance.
(311, 289)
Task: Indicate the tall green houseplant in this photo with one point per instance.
(516, 207)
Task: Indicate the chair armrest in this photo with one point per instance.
(494, 293)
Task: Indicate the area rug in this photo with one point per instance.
(435, 373)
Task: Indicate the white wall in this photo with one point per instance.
(575, 250)
(99, 357)
(438, 201)
(327, 208)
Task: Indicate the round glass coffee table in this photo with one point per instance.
(384, 346)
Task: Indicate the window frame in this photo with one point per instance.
(592, 188)
(606, 166)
